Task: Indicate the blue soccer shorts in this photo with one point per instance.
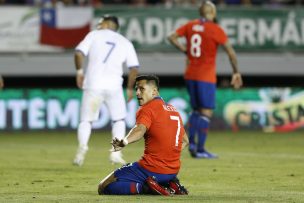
(133, 172)
(202, 94)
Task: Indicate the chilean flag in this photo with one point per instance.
(64, 27)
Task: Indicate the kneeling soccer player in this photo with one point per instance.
(161, 126)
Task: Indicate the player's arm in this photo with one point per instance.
(185, 141)
(1, 82)
(79, 61)
(135, 134)
(133, 71)
(236, 80)
(173, 39)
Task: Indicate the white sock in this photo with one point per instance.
(84, 133)
(119, 129)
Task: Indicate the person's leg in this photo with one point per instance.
(133, 179)
(192, 132)
(111, 186)
(119, 131)
(127, 180)
(194, 116)
(116, 104)
(123, 188)
(206, 106)
(157, 184)
(90, 106)
(164, 184)
(105, 182)
(83, 134)
(203, 125)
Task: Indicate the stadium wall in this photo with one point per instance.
(40, 92)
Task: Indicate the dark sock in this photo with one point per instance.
(123, 188)
(203, 125)
(193, 128)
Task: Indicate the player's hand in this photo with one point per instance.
(236, 81)
(118, 144)
(79, 80)
(129, 94)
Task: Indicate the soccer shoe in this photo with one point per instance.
(206, 155)
(192, 150)
(116, 158)
(156, 188)
(176, 188)
(80, 155)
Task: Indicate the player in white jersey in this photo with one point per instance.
(102, 80)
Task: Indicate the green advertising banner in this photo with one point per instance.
(267, 109)
(47, 109)
(249, 29)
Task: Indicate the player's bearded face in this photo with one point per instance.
(144, 92)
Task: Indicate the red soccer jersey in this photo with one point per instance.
(163, 139)
(203, 38)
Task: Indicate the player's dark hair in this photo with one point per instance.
(113, 19)
(152, 79)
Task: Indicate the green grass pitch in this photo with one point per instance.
(253, 167)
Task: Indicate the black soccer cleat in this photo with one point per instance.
(192, 153)
(176, 188)
(192, 150)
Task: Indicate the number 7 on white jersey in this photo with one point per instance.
(112, 46)
(176, 118)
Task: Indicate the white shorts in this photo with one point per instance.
(93, 99)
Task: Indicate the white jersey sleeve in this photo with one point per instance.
(85, 44)
(131, 60)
